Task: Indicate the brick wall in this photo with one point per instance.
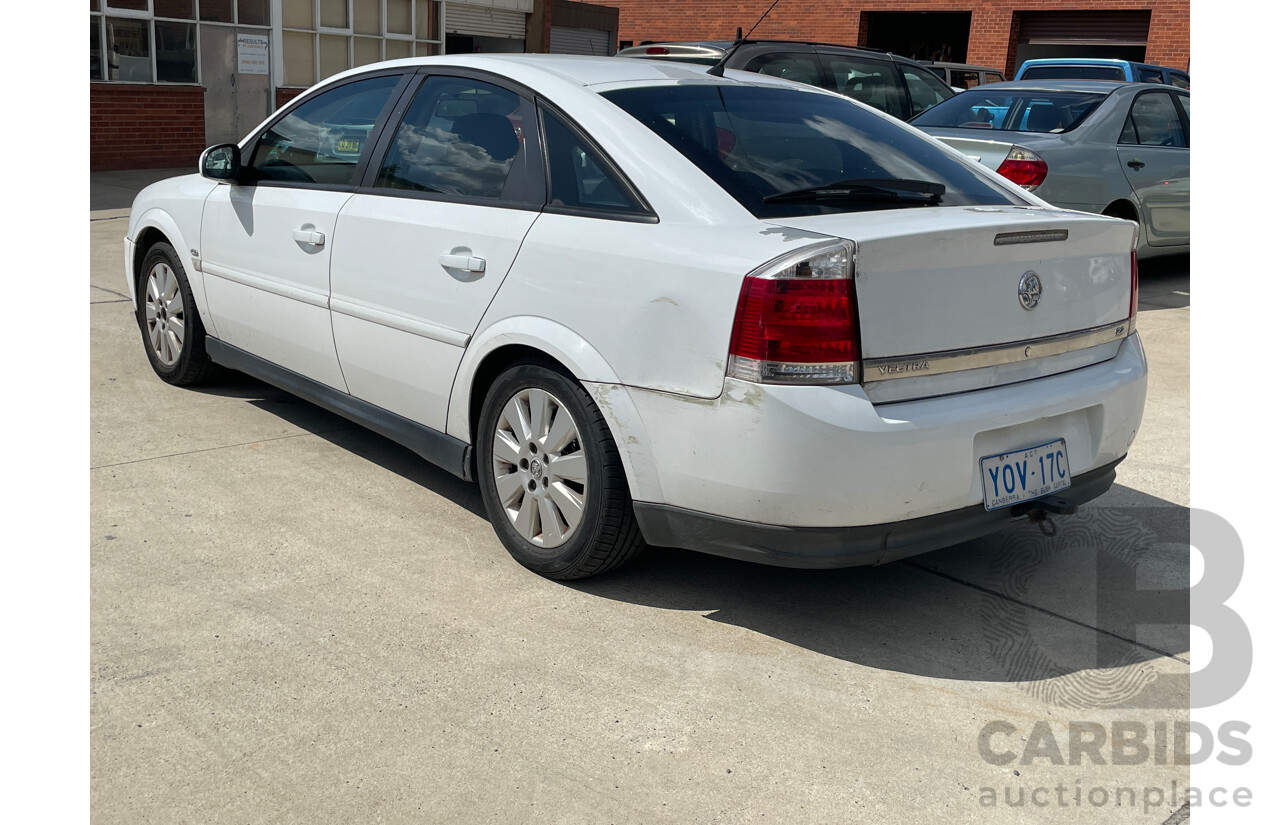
(992, 35)
(139, 126)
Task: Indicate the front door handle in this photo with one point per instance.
(467, 263)
(309, 236)
(1136, 164)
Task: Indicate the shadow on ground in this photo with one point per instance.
(1078, 617)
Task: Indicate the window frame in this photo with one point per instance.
(250, 144)
(535, 190)
(1183, 120)
(646, 213)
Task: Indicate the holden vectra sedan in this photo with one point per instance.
(639, 304)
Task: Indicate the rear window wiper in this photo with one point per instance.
(904, 189)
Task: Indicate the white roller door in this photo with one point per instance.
(565, 40)
(483, 21)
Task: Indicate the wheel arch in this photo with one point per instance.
(156, 226)
(515, 339)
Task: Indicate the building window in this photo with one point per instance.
(323, 38)
(157, 41)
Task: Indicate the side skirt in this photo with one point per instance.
(440, 449)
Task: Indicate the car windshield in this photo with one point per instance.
(1012, 111)
(759, 143)
(1073, 72)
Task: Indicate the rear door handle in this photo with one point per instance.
(1136, 164)
(466, 263)
(309, 236)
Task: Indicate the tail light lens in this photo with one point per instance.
(657, 50)
(1133, 292)
(1024, 167)
(797, 320)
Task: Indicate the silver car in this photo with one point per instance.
(1120, 149)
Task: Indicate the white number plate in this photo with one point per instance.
(1025, 474)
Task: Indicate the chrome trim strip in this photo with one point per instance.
(875, 370)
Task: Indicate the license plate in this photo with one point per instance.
(349, 145)
(1022, 475)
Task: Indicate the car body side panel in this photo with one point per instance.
(656, 300)
(173, 207)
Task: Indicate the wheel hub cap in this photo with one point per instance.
(165, 314)
(539, 468)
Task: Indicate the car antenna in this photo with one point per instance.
(718, 69)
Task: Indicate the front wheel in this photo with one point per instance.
(171, 329)
(551, 478)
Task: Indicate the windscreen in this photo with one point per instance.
(762, 144)
(1014, 111)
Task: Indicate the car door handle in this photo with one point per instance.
(309, 236)
(1136, 164)
(466, 263)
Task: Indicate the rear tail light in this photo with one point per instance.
(1133, 292)
(1024, 167)
(797, 320)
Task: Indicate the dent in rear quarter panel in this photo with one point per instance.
(657, 301)
(175, 207)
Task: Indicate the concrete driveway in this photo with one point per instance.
(294, 620)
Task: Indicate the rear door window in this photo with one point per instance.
(1150, 76)
(459, 137)
(992, 77)
(802, 68)
(964, 79)
(873, 82)
(925, 90)
(1153, 121)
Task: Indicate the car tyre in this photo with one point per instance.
(551, 477)
(172, 332)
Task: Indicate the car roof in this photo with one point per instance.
(706, 44)
(1092, 61)
(582, 70)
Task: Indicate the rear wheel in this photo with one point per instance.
(551, 477)
(171, 329)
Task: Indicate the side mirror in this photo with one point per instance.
(221, 162)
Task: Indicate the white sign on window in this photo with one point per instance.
(251, 53)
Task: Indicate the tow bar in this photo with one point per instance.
(1037, 512)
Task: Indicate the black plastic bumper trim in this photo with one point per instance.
(829, 547)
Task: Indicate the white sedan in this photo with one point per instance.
(641, 304)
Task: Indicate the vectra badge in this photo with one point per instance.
(1029, 290)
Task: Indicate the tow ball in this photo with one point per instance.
(1037, 512)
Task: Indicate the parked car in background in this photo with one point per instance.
(636, 319)
(892, 84)
(963, 76)
(1083, 68)
(1120, 149)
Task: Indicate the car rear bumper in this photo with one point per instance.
(830, 457)
(830, 547)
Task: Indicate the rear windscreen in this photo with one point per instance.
(1073, 73)
(1046, 112)
(758, 143)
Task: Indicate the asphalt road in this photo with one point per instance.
(294, 620)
